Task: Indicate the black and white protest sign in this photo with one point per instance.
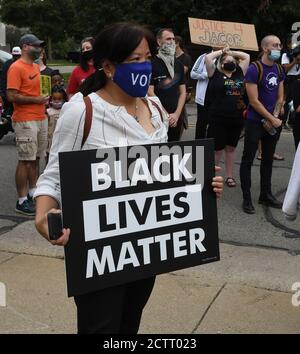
(137, 211)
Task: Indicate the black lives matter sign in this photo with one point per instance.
(137, 211)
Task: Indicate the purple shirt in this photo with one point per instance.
(267, 88)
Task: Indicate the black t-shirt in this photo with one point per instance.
(186, 60)
(225, 94)
(166, 88)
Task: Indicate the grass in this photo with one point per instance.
(60, 63)
(66, 78)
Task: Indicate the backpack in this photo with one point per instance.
(260, 69)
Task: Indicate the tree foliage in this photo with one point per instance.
(58, 20)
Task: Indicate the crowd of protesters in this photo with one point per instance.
(232, 95)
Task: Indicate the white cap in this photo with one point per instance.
(16, 51)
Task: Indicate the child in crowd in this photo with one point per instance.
(58, 98)
(57, 79)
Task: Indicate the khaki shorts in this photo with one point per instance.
(31, 139)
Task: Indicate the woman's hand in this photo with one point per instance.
(173, 119)
(218, 183)
(226, 49)
(64, 238)
(41, 223)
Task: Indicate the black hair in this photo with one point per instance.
(59, 89)
(180, 41)
(162, 30)
(115, 43)
(84, 63)
(56, 72)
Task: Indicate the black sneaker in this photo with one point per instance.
(270, 201)
(25, 208)
(31, 200)
(248, 206)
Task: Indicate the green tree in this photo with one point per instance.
(56, 21)
(50, 20)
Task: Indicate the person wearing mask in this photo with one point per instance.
(168, 82)
(29, 119)
(121, 112)
(199, 73)
(85, 68)
(264, 86)
(57, 100)
(226, 90)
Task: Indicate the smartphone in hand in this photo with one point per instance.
(55, 227)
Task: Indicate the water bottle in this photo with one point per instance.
(268, 127)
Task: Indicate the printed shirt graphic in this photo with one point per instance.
(25, 78)
(267, 88)
(225, 94)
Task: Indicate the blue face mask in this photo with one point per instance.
(274, 55)
(134, 78)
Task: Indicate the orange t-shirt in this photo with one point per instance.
(25, 78)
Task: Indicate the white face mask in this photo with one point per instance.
(168, 49)
(57, 104)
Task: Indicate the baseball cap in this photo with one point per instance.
(31, 39)
(16, 51)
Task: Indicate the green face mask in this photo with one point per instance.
(34, 53)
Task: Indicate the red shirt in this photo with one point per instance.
(77, 77)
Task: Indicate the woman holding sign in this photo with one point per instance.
(225, 97)
(121, 114)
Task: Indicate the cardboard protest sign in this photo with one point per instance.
(138, 211)
(45, 85)
(219, 34)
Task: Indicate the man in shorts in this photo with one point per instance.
(29, 119)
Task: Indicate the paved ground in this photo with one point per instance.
(248, 291)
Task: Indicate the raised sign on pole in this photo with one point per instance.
(220, 34)
(137, 211)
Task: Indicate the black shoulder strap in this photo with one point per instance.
(88, 119)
